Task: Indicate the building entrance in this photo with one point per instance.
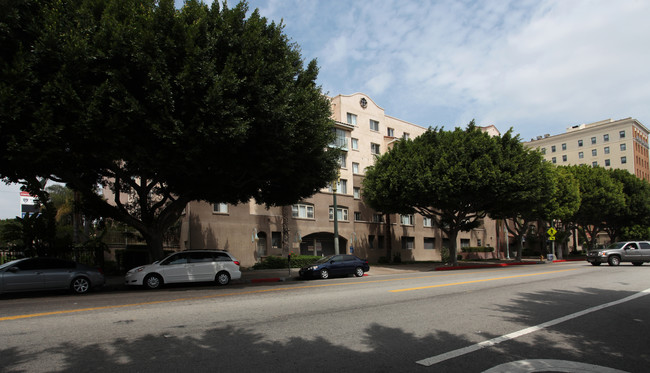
(321, 244)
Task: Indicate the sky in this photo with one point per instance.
(537, 67)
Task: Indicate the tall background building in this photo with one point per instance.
(609, 143)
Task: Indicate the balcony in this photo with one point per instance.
(340, 143)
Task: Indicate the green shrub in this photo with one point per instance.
(444, 255)
(480, 249)
(279, 262)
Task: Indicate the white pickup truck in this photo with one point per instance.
(636, 252)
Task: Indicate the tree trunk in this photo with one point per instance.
(453, 237)
(389, 239)
(286, 232)
(155, 243)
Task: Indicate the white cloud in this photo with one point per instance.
(535, 65)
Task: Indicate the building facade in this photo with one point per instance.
(609, 143)
(363, 130)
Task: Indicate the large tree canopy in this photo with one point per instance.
(453, 177)
(161, 105)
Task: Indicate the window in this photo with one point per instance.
(406, 136)
(429, 243)
(380, 242)
(553, 149)
(342, 213)
(377, 218)
(593, 140)
(355, 144)
(623, 160)
(621, 134)
(357, 216)
(594, 164)
(276, 239)
(374, 125)
(464, 242)
(606, 137)
(581, 155)
(371, 241)
(406, 219)
(356, 191)
(564, 146)
(553, 160)
(543, 150)
(220, 208)
(594, 152)
(607, 162)
(579, 142)
(408, 243)
(623, 147)
(352, 119)
(606, 150)
(355, 168)
(374, 148)
(564, 158)
(303, 211)
(341, 187)
(391, 132)
(426, 222)
(343, 160)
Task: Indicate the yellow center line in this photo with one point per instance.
(63, 312)
(483, 280)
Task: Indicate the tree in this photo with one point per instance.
(452, 177)
(562, 205)
(160, 107)
(601, 196)
(527, 188)
(636, 209)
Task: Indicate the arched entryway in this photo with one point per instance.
(322, 244)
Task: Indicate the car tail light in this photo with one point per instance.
(236, 262)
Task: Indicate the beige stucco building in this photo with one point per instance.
(609, 143)
(363, 130)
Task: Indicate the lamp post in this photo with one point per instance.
(336, 213)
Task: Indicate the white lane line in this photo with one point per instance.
(491, 342)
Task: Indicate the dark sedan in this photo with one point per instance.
(34, 274)
(336, 265)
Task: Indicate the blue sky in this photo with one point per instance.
(535, 66)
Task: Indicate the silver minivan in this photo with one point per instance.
(187, 266)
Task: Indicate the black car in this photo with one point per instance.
(336, 265)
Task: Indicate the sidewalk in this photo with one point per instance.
(252, 276)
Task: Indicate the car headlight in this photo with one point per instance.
(134, 270)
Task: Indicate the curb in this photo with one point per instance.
(484, 266)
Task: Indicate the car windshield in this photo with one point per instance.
(9, 264)
(324, 260)
(616, 245)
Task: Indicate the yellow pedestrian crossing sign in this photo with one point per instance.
(551, 233)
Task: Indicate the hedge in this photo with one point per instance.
(480, 249)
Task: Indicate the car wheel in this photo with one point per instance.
(153, 281)
(614, 260)
(80, 285)
(637, 263)
(223, 278)
(358, 272)
(324, 273)
(595, 263)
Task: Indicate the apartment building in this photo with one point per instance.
(363, 130)
(609, 143)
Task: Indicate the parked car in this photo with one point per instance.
(34, 274)
(336, 265)
(636, 252)
(186, 266)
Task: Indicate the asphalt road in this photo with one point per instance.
(559, 317)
